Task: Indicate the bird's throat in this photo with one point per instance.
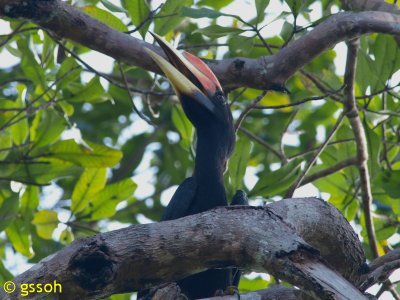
(209, 172)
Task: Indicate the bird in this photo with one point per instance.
(206, 107)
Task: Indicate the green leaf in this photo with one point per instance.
(112, 7)
(45, 221)
(219, 31)
(197, 13)
(286, 30)
(351, 210)
(183, 125)
(5, 142)
(66, 237)
(275, 182)
(18, 235)
(261, 6)
(104, 17)
(31, 68)
(138, 11)
(241, 45)
(20, 129)
(50, 127)
(69, 71)
(97, 156)
(90, 182)
(29, 202)
(169, 16)
(390, 182)
(8, 208)
(91, 92)
(103, 203)
(374, 149)
(214, 4)
(295, 6)
(41, 171)
(238, 163)
(365, 75)
(5, 275)
(387, 59)
(248, 285)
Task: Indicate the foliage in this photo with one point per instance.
(64, 128)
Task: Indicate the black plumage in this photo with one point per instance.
(206, 107)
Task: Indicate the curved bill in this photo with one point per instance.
(188, 74)
(181, 84)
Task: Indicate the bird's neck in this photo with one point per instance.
(210, 164)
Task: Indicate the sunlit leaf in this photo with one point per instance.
(45, 221)
(215, 4)
(18, 235)
(105, 17)
(29, 201)
(183, 125)
(66, 236)
(238, 163)
(97, 156)
(38, 172)
(103, 203)
(8, 208)
(247, 285)
(20, 129)
(5, 142)
(90, 182)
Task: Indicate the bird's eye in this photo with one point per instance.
(219, 96)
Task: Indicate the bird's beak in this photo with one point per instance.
(188, 74)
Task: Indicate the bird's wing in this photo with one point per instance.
(179, 205)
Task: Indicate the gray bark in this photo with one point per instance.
(276, 239)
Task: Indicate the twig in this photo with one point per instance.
(361, 141)
(321, 86)
(263, 143)
(24, 181)
(383, 128)
(247, 110)
(102, 75)
(140, 114)
(328, 171)
(149, 17)
(321, 148)
(312, 150)
(302, 101)
(207, 45)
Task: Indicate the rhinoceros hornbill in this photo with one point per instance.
(205, 105)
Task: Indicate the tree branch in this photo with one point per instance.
(261, 73)
(361, 141)
(142, 256)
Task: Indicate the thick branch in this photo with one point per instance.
(146, 255)
(262, 73)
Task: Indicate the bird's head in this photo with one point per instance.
(199, 92)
